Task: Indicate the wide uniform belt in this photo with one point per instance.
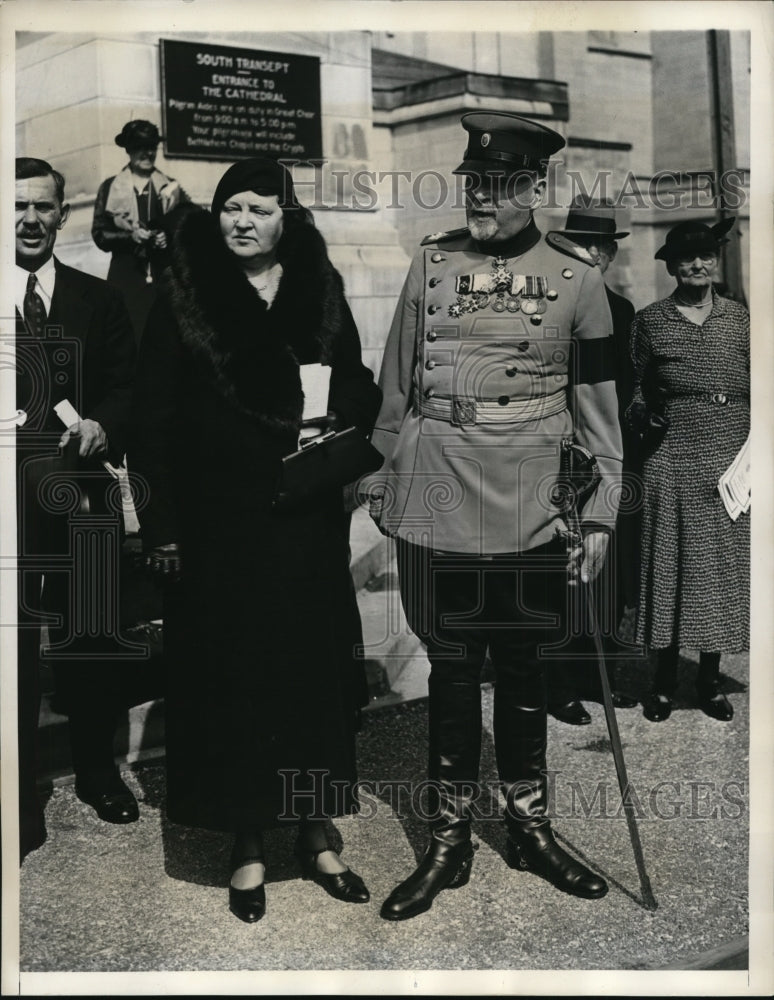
(461, 411)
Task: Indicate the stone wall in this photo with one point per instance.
(75, 92)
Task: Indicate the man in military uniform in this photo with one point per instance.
(498, 352)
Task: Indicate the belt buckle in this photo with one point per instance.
(720, 398)
(463, 412)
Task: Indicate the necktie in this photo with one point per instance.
(34, 310)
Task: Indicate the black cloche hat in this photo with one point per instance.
(260, 174)
(499, 141)
(138, 133)
(694, 237)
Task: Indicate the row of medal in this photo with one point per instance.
(499, 302)
(503, 290)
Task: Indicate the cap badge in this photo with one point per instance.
(486, 138)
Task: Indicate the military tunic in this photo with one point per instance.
(492, 359)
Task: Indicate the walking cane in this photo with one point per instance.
(578, 478)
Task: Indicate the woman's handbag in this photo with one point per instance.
(649, 425)
(324, 464)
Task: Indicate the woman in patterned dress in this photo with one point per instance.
(691, 355)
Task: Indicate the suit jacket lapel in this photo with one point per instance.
(69, 307)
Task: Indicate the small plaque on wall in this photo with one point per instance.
(224, 103)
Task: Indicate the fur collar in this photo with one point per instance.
(250, 352)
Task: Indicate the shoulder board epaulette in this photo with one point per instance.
(439, 237)
(566, 245)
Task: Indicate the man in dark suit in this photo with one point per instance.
(591, 229)
(74, 342)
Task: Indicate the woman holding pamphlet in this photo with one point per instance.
(691, 406)
(263, 685)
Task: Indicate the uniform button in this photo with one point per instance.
(552, 295)
(504, 400)
(510, 372)
(433, 309)
(430, 365)
(432, 335)
(567, 272)
(536, 320)
(435, 281)
(429, 393)
(437, 258)
(523, 345)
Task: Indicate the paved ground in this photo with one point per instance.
(152, 895)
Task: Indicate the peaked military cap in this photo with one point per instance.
(694, 237)
(499, 141)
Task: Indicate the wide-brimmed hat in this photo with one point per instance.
(592, 218)
(694, 237)
(138, 133)
(260, 174)
(501, 142)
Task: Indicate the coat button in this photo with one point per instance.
(433, 309)
(523, 345)
(430, 365)
(432, 335)
(552, 295)
(567, 272)
(510, 372)
(435, 281)
(429, 393)
(437, 258)
(504, 400)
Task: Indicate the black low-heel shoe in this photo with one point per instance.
(536, 851)
(113, 802)
(444, 866)
(657, 707)
(572, 713)
(346, 886)
(247, 904)
(716, 705)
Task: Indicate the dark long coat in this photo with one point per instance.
(259, 633)
(130, 262)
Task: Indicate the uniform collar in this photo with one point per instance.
(514, 247)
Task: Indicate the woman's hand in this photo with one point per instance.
(160, 240)
(164, 561)
(141, 235)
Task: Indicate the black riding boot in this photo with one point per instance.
(520, 744)
(455, 747)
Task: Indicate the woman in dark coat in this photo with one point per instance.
(128, 221)
(691, 355)
(263, 687)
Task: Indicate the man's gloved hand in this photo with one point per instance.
(164, 561)
(594, 551)
(584, 558)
